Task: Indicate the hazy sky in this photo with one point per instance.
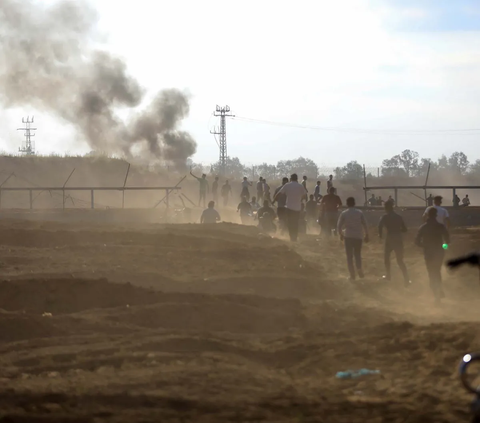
(373, 64)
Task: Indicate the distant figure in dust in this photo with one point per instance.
(295, 193)
(330, 185)
(203, 188)
(254, 204)
(355, 226)
(260, 189)
(210, 215)
(225, 192)
(431, 237)
(395, 226)
(466, 201)
(266, 191)
(391, 200)
(311, 211)
(456, 201)
(281, 200)
(430, 201)
(215, 189)
(304, 183)
(245, 192)
(245, 210)
(331, 204)
(317, 193)
(266, 215)
(372, 201)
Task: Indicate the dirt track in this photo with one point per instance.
(182, 323)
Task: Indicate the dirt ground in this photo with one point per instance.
(183, 323)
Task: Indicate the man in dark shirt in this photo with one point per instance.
(329, 215)
(266, 216)
(281, 200)
(395, 226)
(431, 237)
(245, 209)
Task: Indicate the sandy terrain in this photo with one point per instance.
(183, 323)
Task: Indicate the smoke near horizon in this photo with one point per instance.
(49, 62)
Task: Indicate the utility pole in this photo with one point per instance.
(29, 147)
(223, 112)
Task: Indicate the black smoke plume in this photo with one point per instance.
(48, 60)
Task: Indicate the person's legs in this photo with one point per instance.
(357, 252)
(386, 258)
(434, 261)
(401, 264)
(293, 218)
(349, 246)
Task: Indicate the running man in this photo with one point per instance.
(245, 192)
(304, 183)
(210, 215)
(431, 237)
(225, 192)
(245, 210)
(295, 193)
(203, 188)
(215, 189)
(395, 226)
(331, 203)
(356, 230)
(442, 214)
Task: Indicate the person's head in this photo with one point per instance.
(264, 181)
(304, 178)
(430, 196)
(373, 195)
(330, 177)
(389, 197)
(254, 199)
(260, 179)
(318, 183)
(311, 197)
(388, 206)
(294, 177)
(244, 178)
(204, 176)
(379, 197)
(265, 203)
(211, 204)
(438, 200)
(350, 202)
(466, 196)
(284, 181)
(432, 213)
(226, 182)
(331, 190)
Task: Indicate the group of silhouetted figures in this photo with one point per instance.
(296, 210)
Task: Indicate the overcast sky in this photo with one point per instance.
(373, 64)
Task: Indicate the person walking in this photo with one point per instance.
(304, 183)
(245, 209)
(356, 231)
(281, 200)
(210, 215)
(311, 211)
(203, 188)
(430, 200)
(266, 190)
(316, 193)
(395, 226)
(295, 193)
(215, 189)
(225, 192)
(442, 214)
(466, 201)
(431, 236)
(245, 192)
(331, 203)
(260, 189)
(330, 184)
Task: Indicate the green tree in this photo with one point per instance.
(351, 171)
(300, 166)
(458, 163)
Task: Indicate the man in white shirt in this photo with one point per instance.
(466, 201)
(442, 214)
(295, 193)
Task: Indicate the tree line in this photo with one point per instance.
(406, 164)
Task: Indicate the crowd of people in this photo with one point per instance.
(296, 210)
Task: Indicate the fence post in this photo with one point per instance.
(92, 198)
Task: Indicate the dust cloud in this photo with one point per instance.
(50, 61)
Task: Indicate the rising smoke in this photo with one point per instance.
(48, 60)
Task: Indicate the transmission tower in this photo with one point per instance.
(223, 112)
(29, 146)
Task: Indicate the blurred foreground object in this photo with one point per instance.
(470, 381)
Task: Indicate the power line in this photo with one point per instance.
(471, 131)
